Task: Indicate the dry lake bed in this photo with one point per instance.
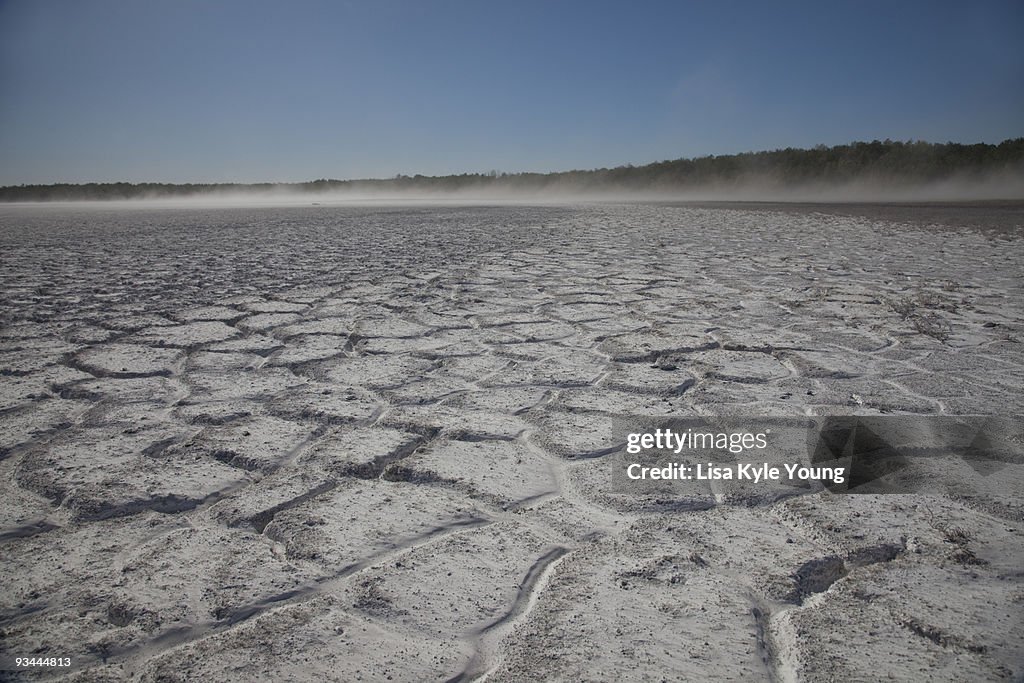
(373, 443)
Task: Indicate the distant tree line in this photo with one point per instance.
(888, 161)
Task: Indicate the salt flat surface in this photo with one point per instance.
(329, 443)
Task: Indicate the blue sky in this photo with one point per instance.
(222, 90)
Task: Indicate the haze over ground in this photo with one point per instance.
(262, 92)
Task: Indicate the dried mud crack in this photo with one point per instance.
(332, 443)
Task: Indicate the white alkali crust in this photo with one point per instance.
(333, 443)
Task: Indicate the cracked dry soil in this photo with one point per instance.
(344, 443)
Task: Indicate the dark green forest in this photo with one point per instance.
(887, 162)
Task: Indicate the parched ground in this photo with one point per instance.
(326, 443)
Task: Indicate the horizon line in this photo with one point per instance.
(494, 173)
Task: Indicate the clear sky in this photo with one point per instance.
(243, 90)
